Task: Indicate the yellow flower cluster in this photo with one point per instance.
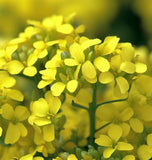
(70, 95)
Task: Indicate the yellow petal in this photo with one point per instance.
(84, 96)
(106, 77)
(7, 82)
(51, 43)
(141, 67)
(115, 62)
(49, 74)
(54, 102)
(143, 152)
(129, 157)
(3, 74)
(127, 52)
(55, 61)
(104, 140)
(149, 139)
(40, 108)
(15, 67)
(123, 146)
(102, 64)
(72, 85)
(126, 114)
(21, 113)
(108, 152)
(27, 157)
(10, 50)
(52, 22)
(57, 88)
(15, 95)
(88, 70)
(109, 45)
(39, 121)
(77, 53)
(128, 67)
(123, 84)
(65, 28)
(72, 157)
(43, 83)
(31, 31)
(22, 129)
(115, 132)
(80, 29)
(90, 80)
(7, 111)
(48, 133)
(12, 134)
(1, 131)
(43, 54)
(76, 73)
(125, 129)
(2, 62)
(83, 39)
(39, 45)
(90, 42)
(2, 53)
(70, 62)
(30, 71)
(17, 41)
(136, 125)
(32, 59)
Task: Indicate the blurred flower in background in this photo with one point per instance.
(95, 14)
(130, 20)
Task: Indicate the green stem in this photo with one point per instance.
(116, 100)
(78, 105)
(112, 101)
(92, 110)
(102, 126)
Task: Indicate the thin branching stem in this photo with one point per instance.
(112, 101)
(116, 100)
(102, 127)
(78, 105)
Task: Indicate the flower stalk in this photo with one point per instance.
(92, 110)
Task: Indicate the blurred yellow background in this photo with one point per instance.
(130, 20)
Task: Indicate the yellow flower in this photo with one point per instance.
(123, 59)
(49, 74)
(144, 152)
(108, 46)
(43, 113)
(58, 87)
(39, 53)
(6, 82)
(111, 141)
(127, 54)
(78, 59)
(54, 23)
(6, 53)
(15, 128)
(117, 114)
